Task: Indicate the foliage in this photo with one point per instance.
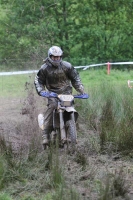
(87, 31)
(110, 112)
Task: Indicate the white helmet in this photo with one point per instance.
(55, 51)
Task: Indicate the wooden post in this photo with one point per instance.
(108, 68)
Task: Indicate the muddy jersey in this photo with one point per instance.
(58, 79)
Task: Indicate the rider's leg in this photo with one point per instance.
(48, 120)
(46, 136)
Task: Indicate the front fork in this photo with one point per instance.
(62, 125)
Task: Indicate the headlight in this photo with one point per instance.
(66, 100)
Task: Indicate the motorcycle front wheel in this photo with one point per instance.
(71, 131)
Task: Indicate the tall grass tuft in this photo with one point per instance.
(109, 112)
(4, 196)
(114, 187)
(64, 194)
(57, 177)
(81, 159)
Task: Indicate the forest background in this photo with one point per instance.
(93, 31)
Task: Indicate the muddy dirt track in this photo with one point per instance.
(18, 125)
(18, 120)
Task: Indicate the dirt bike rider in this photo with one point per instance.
(56, 76)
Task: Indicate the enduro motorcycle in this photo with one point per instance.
(64, 119)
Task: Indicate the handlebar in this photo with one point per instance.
(81, 96)
(55, 95)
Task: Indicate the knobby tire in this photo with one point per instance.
(71, 131)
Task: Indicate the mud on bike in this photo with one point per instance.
(64, 119)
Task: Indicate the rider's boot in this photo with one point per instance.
(45, 137)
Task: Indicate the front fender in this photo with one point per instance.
(72, 109)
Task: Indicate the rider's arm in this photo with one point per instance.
(40, 81)
(75, 79)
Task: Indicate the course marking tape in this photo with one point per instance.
(19, 72)
(76, 67)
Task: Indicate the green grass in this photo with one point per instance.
(109, 110)
(93, 77)
(4, 196)
(14, 85)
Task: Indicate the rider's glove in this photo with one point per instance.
(52, 94)
(44, 94)
(48, 94)
(82, 96)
